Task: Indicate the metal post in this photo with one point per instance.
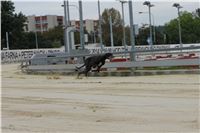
(100, 28)
(41, 27)
(65, 29)
(179, 25)
(150, 28)
(154, 29)
(123, 24)
(7, 40)
(111, 32)
(164, 38)
(94, 36)
(68, 13)
(82, 39)
(36, 40)
(68, 21)
(177, 5)
(132, 33)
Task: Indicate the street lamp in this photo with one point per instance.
(179, 22)
(66, 24)
(111, 31)
(100, 28)
(36, 40)
(123, 23)
(71, 35)
(67, 37)
(147, 3)
(7, 40)
(154, 27)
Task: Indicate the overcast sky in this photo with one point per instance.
(162, 11)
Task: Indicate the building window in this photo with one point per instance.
(44, 21)
(44, 28)
(37, 21)
(38, 29)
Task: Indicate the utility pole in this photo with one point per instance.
(123, 23)
(68, 21)
(36, 40)
(147, 3)
(7, 40)
(132, 33)
(100, 28)
(94, 34)
(82, 39)
(154, 26)
(65, 28)
(111, 32)
(179, 22)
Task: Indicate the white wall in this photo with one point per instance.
(52, 21)
(31, 23)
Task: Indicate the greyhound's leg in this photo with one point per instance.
(79, 73)
(86, 71)
(99, 67)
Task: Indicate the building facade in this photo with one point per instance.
(44, 23)
(89, 24)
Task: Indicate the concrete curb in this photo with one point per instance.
(124, 73)
(146, 72)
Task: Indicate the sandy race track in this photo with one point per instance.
(50, 103)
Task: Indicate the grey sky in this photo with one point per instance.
(163, 11)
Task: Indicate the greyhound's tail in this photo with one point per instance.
(77, 68)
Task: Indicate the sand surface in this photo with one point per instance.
(46, 103)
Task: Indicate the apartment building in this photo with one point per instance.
(44, 23)
(89, 24)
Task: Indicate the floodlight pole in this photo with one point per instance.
(69, 24)
(179, 22)
(132, 33)
(7, 40)
(151, 42)
(123, 23)
(82, 39)
(147, 3)
(36, 40)
(111, 32)
(179, 25)
(154, 26)
(65, 28)
(100, 28)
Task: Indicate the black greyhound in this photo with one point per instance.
(93, 62)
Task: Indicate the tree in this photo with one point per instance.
(141, 39)
(55, 36)
(117, 27)
(190, 25)
(160, 35)
(12, 23)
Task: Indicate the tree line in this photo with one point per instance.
(14, 23)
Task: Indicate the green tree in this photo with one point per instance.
(55, 36)
(12, 23)
(117, 27)
(141, 39)
(190, 25)
(160, 35)
(29, 41)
